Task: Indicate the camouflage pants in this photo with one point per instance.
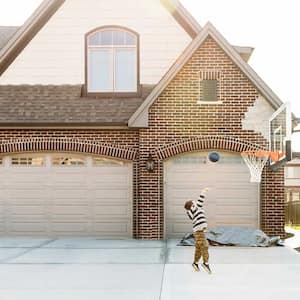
(201, 246)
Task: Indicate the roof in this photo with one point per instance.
(12, 46)
(140, 117)
(48, 7)
(33, 105)
(27, 31)
(6, 33)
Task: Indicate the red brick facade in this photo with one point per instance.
(177, 124)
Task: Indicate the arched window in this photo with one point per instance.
(112, 61)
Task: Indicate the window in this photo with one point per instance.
(295, 196)
(104, 162)
(209, 90)
(292, 172)
(209, 86)
(112, 61)
(68, 161)
(28, 161)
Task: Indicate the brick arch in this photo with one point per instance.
(205, 143)
(66, 145)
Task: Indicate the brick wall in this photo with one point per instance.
(175, 119)
(272, 202)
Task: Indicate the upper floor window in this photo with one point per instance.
(112, 55)
(209, 90)
(209, 86)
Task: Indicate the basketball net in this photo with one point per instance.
(256, 161)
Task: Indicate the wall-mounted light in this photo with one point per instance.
(150, 164)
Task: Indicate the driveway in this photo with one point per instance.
(86, 268)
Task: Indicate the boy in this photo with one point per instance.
(196, 213)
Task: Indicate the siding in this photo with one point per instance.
(56, 54)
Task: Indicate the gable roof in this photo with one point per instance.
(47, 9)
(27, 31)
(6, 33)
(183, 17)
(140, 117)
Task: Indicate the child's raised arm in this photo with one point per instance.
(201, 198)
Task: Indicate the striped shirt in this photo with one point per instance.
(197, 215)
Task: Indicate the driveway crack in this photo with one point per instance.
(27, 250)
(165, 251)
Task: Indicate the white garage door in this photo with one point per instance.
(233, 200)
(65, 195)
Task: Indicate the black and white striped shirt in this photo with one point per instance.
(197, 215)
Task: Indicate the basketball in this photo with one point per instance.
(214, 156)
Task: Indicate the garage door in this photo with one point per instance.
(65, 195)
(233, 200)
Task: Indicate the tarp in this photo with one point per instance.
(235, 236)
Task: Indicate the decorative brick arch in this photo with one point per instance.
(203, 143)
(66, 145)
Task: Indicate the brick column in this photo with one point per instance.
(149, 198)
(272, 202)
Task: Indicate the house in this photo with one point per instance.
(292, 187)
(109, 110)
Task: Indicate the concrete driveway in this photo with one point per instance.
(86, 268)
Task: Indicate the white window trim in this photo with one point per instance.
(113, 49)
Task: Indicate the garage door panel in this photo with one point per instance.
(107, 210)
(178, 229)
(179, 196)
(69, 210)
(232, 210)
(25, 218)
(64, 200)
(27, 210)
(26, 227)
(232, 200)
(36, 198)
(117, 228)
(69, 197)
(104, 183)
(230, 222)
(116, 196)
(69, 227)
(238, 202)
(236, 219)
(235, 194)
(26, 184)
(179, 202)
(178, 212)
(188, 180)
(68, 185)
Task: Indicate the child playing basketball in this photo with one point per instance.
(196, 213)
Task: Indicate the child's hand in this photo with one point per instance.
(205, 190)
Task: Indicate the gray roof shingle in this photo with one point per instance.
(63, 105)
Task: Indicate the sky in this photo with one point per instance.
(270, 26)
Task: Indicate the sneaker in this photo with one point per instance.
(206, 268)
(196, 267)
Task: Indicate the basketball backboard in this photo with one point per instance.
(280, 125)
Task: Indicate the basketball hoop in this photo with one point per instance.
(256, 161)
